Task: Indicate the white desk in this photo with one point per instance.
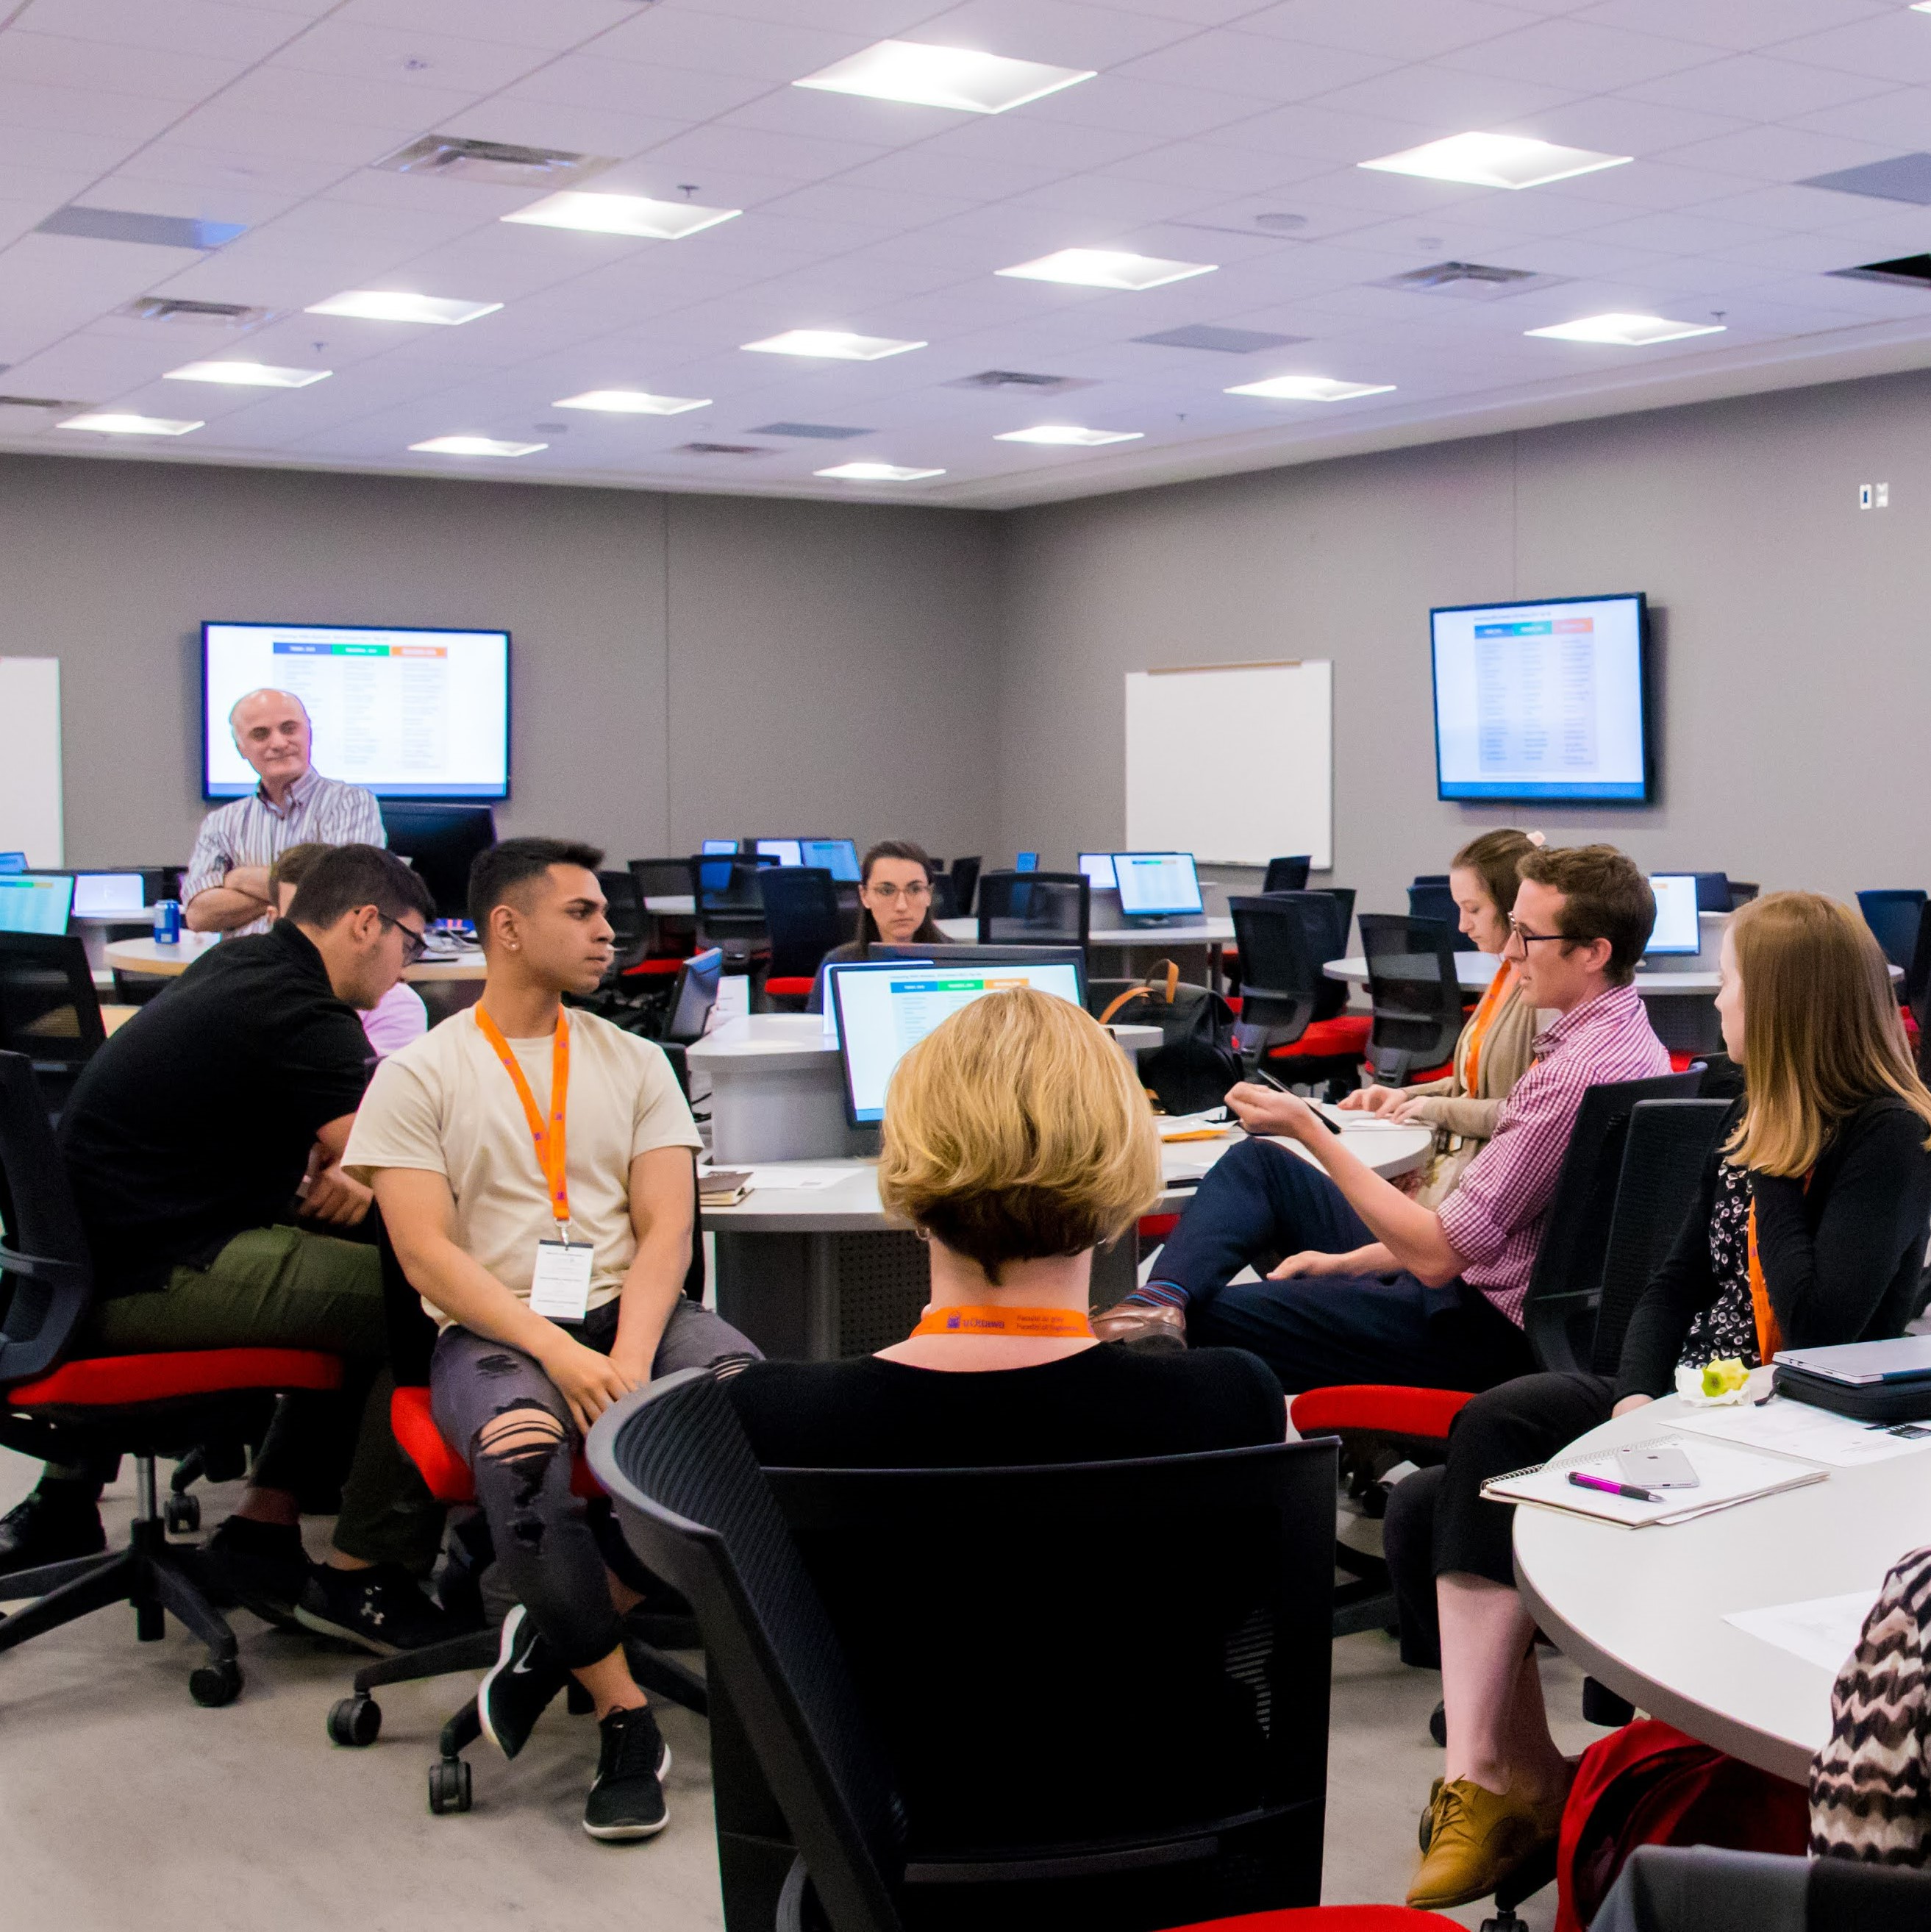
(1642, 1610)
(155, 960)
(822, 1273)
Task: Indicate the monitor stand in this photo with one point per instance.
(1153, 919)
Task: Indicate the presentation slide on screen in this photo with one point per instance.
(421, 714)
(1540, 700)
(1150, 882)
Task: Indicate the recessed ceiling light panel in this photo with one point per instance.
(632, 214)
(1626, 331)
(393, 305)
(1495, 160)
(833, 344)
(476, 445)
(1309, 389)
(1069, 437)
(1106, 268)
(631, 403)
(248, 375)
(112, 422)
(928, 77)
(876, 473)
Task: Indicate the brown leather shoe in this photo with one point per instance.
(1476, 1837)
(1159, 1330)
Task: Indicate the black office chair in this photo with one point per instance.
(1287, 875)
(728, 907)
(623, 907)
(1893, 914)
(1701, 1889)
(964, 876)
(805, 922)
(1431, 879)
(1290, 1010)
(49, 1009)
(1417, 996)
(857, 1625)
(1438, 902)
(1343, 897)
(1034, 908)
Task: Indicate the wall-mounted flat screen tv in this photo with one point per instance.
(409, 713)
(1545, 700)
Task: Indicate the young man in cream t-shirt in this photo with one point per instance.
(533, 1167)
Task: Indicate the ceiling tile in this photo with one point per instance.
(74, 110)
(523, 121)
(556, 24)
(1893, 46)
(1205, 165)
(375, 101)
(1560, 51)
(713, 42)
(435, 62)
(592, 79)
(51, 60)
(1777, 154)
(209, 27)
(1897, 117)
(1760, 88)
(1058, 32)
(1437, 103)
(1255, 64)
(1741, 24)
(790, 156)
(1399, 30)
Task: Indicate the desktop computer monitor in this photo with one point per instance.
(882, 1015)
(12, 862)
(1026, 862)
(720, 848)
(442, 842)
(108, 893)
(986, 955)
(900, 955)
(1156, 885)
(1676, 932)
(838, 856)
(1097, 866)
(35, 902)
(697, 993)
(781, 851)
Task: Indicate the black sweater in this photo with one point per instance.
(1841, 1259)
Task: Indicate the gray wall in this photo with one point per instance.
(1794, 630)
(683, 667)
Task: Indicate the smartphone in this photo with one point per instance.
(1662, 1467)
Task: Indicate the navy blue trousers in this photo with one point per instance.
(1260, 1203)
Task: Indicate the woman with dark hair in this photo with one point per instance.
(894, 898)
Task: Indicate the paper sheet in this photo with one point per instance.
(1788, 1428)
(1823, 1631)
(764, 1178)
(1728, 1475)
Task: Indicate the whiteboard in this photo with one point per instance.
(1232, 763)
(30, 772)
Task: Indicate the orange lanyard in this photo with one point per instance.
(1005, 1321)
(549, 1138)
(1493, 996)
(1770, 1336)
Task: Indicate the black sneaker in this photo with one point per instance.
(526, 1676)
(381, 1610)
(261, 1566)
(49, 1526)
(627, 1801)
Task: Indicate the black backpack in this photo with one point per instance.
(1196, 1062)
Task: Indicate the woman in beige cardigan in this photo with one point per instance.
(1494, 1050)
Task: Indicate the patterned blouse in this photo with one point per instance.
(1728, 1326)
(1870, 1786)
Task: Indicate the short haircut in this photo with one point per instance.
(1605, 897)
(346, 877)
(1016, 1130)
(292, 867)
(1495, 858)
(497, 873)
(266, 691)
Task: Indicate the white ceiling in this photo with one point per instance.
(891, 220)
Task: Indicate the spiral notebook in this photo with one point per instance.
(1728, 1475)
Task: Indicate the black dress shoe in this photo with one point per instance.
(49, 1528)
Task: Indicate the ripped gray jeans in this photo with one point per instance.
(551, 1546)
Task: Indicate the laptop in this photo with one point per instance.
(35, 902)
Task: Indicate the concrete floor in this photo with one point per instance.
(122, 1800)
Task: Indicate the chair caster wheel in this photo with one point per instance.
(449, 1785)
(354, 1721)
(214, 1684)
(182, 1515)
(1437, 1726)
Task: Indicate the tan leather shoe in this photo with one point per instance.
(1475, 1839)
(1153, 1330)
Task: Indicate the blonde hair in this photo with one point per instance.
(1016, 1130)
(1821, 1033)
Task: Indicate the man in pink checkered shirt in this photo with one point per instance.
(1373, 1287)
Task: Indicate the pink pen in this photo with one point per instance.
(1609, 1489)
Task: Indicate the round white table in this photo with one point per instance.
(150, 957)
(1643, 1610)
(1475, 970)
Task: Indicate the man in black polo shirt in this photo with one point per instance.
(189, 1139)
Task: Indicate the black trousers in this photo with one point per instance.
(1437, 1522)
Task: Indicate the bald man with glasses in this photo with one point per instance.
(227, 888)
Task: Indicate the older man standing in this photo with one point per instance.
(227, 888)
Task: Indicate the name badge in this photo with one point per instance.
(560, 1284)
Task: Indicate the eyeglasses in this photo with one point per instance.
(414, 944)
(1529, 939)
(913, 894)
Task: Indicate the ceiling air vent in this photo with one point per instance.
(1907, 271)
(1475, 280)
(446, 155)
(721, 449)
(151, 231)
(824, 432)
(38, 403)
(1019, 379)
(1226, 341)
(1901, 178)
(171, 308)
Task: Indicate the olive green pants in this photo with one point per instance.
(285, 1288)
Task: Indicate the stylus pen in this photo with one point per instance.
(1281, 1087)
(1609, 1489)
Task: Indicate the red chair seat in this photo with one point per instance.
(445, 1471)
(651, 966)
(787, 987)
(1382, 1409)
(1157, 1227)
(1344, 1037)
(1326, 1918)
(127, 1381)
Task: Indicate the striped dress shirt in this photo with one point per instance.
(1495, 1217)
(251, 832)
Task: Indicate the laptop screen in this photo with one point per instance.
(1097, 866)
(1156, 884)
(1676, 932)
(35, 902)
(103, 892)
